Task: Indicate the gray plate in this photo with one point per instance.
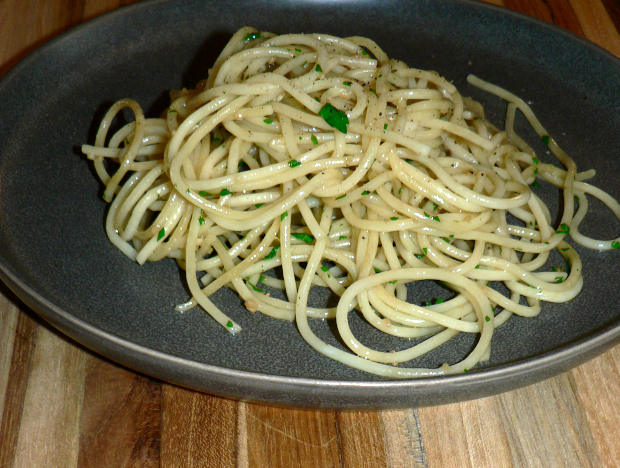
(55, 256)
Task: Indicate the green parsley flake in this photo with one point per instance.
(318, 68)
(346, 83)
(425, 250)
(373, 91)
(325, 269)
(161, 234)
(297, 50)
(535, 160)
(314, 140)
(436, 218)
(563, 229)
(268, 121)
(273, 252)
(445, 239)
(376, 270)
(201, 220)
(256, 288)
(341, 196)
(225, 192)
(258, 205)
(283, 216)
(342, 237)
(535, 184)
(302, 236)
(217, 140)
(487, 318)
(559, 279)
(294, 163)
(251, 37)
(229, 324)
(545, 139)
(385, 126)
(615, 244)
(394, 218)
(261, 278)
(365, 193)
(565, 249)
(334, 117)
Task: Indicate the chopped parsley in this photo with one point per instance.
(342, 237)
(425, 250)
(368, 53)
(341, 196)
(268, 121)
(229, 324)
(365, 193)
(314, 140)
(346, 83)
(394, 218)
(225, 192)
(563, 229)
(201, 220)
(256, 288)
(273, 252)
(535, 184)
(318, 68)
(334, 117)
(251, 37)
(258, 205)
(302, 236)
(535, 160)
(294, 163)
(487, 318)
(161, 234)
(283, 216)
(545, 139)
(325, 269)
(385, 126)
(615, 245)
(297, 50)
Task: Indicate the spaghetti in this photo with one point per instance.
(311, 161)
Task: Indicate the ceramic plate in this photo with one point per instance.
(54, 253)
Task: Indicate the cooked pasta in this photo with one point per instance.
(312, 161)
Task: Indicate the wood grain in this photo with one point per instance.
(60, 406)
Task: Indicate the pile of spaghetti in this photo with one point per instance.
(311, 161)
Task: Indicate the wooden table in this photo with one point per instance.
(61, 406)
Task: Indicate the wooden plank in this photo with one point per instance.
(198, 430)
(600, 397)
(539, 425)
(280, 437)
(120, 423)
(9, 315)
(15, 388)
(466, 434)
(597, 25)
(48, 431)
(362, 439)
(557, 12)
(403, 440)
(27, 25)
(613, 10)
